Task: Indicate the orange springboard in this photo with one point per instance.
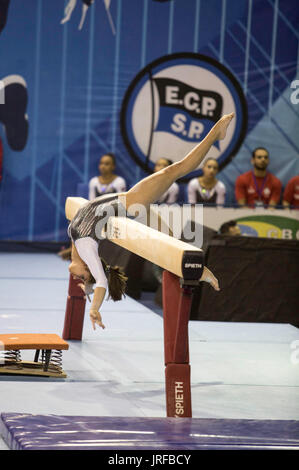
(31, 341)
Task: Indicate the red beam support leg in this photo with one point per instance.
(75, 309)
(176, 311)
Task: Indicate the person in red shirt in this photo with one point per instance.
(291, 193)
(258, 187)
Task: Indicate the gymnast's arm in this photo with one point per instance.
(99, 295)
(88, 251)
(95, 316)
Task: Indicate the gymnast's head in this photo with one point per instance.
(116, 278)
(80, 271)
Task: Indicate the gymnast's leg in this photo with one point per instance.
(148, 190)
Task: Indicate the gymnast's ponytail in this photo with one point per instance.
(116, 281)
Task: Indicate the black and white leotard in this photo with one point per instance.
(85, 232)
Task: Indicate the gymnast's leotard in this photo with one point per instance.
(85, 232)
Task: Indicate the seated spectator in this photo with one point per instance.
(230, 228)
(258, 187)
(172, 194)
(291, 193)
(206, 188)
(107, 181)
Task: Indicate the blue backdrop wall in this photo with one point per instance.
(72, 62)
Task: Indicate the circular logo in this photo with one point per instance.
(173, 103)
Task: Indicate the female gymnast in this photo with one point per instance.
(86, 263)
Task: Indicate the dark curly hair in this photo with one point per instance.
(116, 281)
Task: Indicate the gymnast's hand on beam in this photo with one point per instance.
(96, 319)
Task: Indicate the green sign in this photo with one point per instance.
(269, 226)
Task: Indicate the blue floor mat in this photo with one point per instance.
(52, 432)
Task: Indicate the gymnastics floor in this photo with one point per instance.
(239, 371)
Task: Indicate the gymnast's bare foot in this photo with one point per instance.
(222, 125)
(208, 276)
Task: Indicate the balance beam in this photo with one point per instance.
(171, 254)
(183, 265)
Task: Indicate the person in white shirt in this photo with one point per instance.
(85, 228)
(107, 182)
(171, 195)
(206, 188)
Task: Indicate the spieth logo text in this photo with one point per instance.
(193, 265)
(179, 398)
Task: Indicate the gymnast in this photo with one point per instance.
(86, 264)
